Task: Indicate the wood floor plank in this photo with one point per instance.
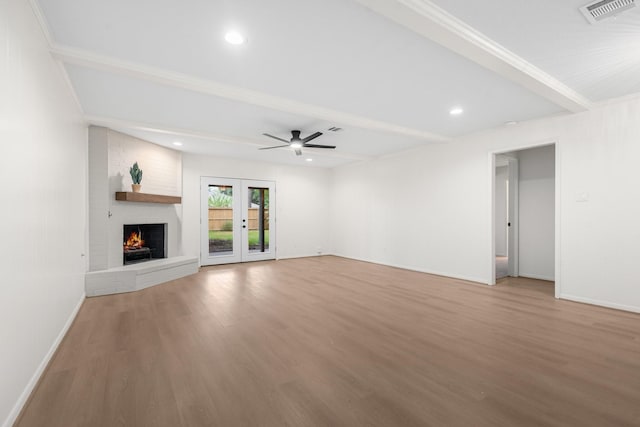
(331, 341)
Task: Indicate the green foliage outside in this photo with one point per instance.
(255, 197)
(218, 199)
(228, 235)
(223, 197)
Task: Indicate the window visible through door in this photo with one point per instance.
(238, 221)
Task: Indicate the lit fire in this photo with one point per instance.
(134, 241)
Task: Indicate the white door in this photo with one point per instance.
(513, 218)
(238, 221)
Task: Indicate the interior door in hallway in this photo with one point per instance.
(237, 220)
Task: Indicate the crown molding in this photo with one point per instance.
(209, 136)
(430, 21)
(44, 26)
(101, 62)
(46, 32)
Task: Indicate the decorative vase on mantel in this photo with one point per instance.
(136, 177)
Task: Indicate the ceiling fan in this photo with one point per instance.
(298, 143)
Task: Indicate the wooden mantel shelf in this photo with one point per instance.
(127, 196)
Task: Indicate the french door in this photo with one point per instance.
(238, 220)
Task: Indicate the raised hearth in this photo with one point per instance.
(129, 278)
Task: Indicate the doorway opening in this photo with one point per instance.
(237, 221)
(525, 214)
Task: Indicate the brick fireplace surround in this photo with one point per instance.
(110, 155)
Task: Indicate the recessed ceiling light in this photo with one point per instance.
(511, 123)
(235, 38)
(456, 111)
(309, 160)
(177, 143)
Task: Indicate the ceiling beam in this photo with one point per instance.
(88, 59)
(425, 18)
(208, 136)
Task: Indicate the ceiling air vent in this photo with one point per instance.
(599, 10)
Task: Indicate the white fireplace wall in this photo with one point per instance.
(111, 154)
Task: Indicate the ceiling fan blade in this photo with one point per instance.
(275, 137)
(312, 136)
(319, 146)
(277, 146)
(298, 152)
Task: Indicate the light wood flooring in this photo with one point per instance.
(328, 341)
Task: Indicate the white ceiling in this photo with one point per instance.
(387, 72)
(600, 61)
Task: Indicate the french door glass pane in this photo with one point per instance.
(258, 215)
(220, 219)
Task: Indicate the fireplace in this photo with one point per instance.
(143, 242)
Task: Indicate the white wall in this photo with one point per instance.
(416, 210)
(537, 212)
(430, 208)
(111, 154)
(43, 174)
(502, 176)
(303, 202)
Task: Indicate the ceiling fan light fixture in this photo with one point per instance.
(296, 145)
(456, 111)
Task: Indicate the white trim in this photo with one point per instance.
(112, 123)
(46, 32)
(303, 256)
(536, 277)
(434, 23)
(476, 280)
(270, 252)
(24, 396)
(557, 214)
(209, 87)
(67, 80)
(492, 215)
(513, 234)
(600, 303)
(44, 25)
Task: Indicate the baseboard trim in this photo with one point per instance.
(26, 393)
(537, 277)
(605, 304)
(475, 280)
(301, 256)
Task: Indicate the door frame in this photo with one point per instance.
(514, 218)
(247, 255)
(512, 228)
(240, 252)
(515, 224)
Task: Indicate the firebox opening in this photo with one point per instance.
(143, 242)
